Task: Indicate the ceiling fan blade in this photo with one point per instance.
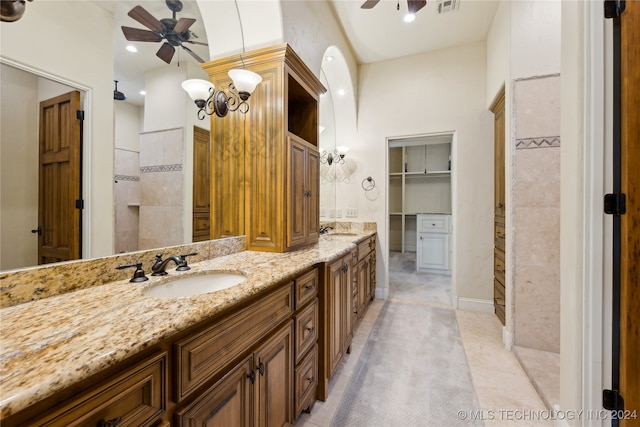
(138, 35)
(141, 15)
(369, 4)
(415, 5)
(183, 25)
(192, 42)
(166, 52)
(192, 53)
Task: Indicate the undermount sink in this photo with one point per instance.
(340, 233)
(195, 285)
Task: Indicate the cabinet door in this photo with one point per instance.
(346, 305)
(433, 251)
(297, 193)
(313, 205)
(274, 380)
(228, 403)
(336, 313)
(364, 283)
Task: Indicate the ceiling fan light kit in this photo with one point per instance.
(211, 101)
(174, 32)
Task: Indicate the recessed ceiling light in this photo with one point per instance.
(143, 93)
(132, 48)
(341, 92)
(329, 58)
(409, 17)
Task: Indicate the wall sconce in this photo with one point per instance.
(336, 157)
(209, 100)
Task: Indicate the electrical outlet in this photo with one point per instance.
(351, 213)
(332, 213)
(338, 213)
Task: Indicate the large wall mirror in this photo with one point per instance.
(138, 125)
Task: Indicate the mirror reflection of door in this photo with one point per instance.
(201, 184)
(59, 190)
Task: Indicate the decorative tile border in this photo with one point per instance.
(126, 178)
(540, 142)
(161, 168)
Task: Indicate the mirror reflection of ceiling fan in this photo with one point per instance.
(174, 32)
(413, 5)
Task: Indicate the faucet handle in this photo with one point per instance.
(183, 262)
(138, 275)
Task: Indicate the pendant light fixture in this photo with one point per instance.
(210, 100)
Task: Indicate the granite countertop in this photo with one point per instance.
(50, 344)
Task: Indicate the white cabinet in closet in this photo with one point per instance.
(433, 243)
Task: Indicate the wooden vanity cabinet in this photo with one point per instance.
(265, 179)
(137, 396)
(258, 391)
(336, 318)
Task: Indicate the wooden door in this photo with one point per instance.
(296, 193)
(274, 380)
(335, 312)
(228, 403)
(60, 179)
(312, 215)
(201, 184)
(499, 206)
(630, 221)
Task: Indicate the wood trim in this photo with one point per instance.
(630, 222)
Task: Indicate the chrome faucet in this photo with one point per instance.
(159, 268)
(324, 229)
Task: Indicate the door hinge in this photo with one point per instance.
(614, 8)
(615, 204)
(80, 114)
(612, 400)
(79, 204)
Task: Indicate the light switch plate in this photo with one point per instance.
(332, 213)
(338, 213)
(323, 212)
(351, 213)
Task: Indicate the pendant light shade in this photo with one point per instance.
(244, 80)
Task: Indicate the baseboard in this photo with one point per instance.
(507, 339)
(382, 293)
(473, 304)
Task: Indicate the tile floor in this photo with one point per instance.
(504, 392)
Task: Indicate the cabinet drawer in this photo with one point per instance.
(434, 224)
(137, 397)
(306, 287)
(306, 325)
(204, 355)
(364, 249)
(306, 374)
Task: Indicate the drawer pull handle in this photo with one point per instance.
(252, 376)
(109, 423)
(260, 368)
(311, 380)
(310, 328)
(308, 287)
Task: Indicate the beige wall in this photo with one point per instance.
(80, 54)
(434, 92)
(18, 168)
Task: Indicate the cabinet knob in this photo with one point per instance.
(308, 287)
(310, 328)
(260, 368)
(311, 380)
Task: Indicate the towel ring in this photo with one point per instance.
(368, 184)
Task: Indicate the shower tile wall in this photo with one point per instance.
(161, 188)
(126, 199)
(537, 213)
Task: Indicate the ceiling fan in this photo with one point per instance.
(414, 5)
(173, 31)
